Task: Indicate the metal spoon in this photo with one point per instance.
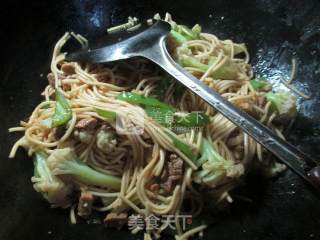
(151, 44)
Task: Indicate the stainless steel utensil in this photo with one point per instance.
(151, 44)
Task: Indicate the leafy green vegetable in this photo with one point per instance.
(188, 61)
(63, 112)
(140, 99)
(181, 33)
(179, 38)
(183, 147)
(283, 103)
(214, 167)
(208, 153)
(191, 34)
(167, 118)
(64, 161)
(163, 116)
(108, 115)
(193, 119)
(258, 84)
(164, 113)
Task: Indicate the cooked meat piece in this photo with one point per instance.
(68, 68)
(197, 74)
(168, 186)
(245, 106)
(234, 141)
(84, 129)
(51, 79)
(174, 173)
(261, 100)
(59, 132)
(86, 123)
(66, 87)
(106, 139)
(116, 220)
(85, 204)
(172, 46)
(154, 187)
(103, 77)
(175, 167)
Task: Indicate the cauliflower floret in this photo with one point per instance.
(84, 136)
(284, 103)
(85, 129)
(215, 170)
(52, 188)
(65, 162)
(106, 140)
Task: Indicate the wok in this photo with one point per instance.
(274, 31)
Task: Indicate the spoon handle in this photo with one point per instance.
(296, 160)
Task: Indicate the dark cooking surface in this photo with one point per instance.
(274, 30)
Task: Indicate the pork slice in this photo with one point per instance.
(116, 220)
(174, 169)
(68, 68)
(86, 123)
(85, 204)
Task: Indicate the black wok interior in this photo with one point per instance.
(274, 31)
